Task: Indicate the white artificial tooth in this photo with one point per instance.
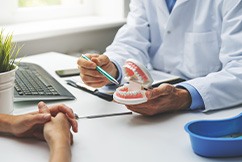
(140, 78)
(132, 68)
(127, 93)
(122, 93)
(133, 93)
(136, 73)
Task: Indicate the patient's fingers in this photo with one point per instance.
(43, 107)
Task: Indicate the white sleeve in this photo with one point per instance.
(132, 40)
(223, 89)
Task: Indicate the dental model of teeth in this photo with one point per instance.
(138, 78)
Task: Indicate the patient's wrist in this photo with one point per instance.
(59, 141)
(59, 145)
(6, 124)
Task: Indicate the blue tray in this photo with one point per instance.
(216, 138)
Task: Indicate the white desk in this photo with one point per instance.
(113, 139)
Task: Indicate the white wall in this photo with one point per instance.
(72, 43)
(83, 41)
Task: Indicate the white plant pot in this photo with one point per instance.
(7, 91)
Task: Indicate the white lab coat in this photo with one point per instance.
(201, 40)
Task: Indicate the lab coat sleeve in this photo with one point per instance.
(132, 40)
(197, 101)
(222, 89)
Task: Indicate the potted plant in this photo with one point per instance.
(8, 53)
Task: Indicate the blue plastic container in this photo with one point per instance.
(216, 138)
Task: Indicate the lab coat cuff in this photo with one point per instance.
(197, 101)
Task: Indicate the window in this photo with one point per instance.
(38, 3)
(38, 19)
(15, 11)
(51, 9)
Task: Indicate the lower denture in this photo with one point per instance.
(125, 93)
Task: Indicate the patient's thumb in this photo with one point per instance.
(40, 118)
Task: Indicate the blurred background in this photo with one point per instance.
(66, 26)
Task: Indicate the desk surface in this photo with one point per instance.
(120, 138)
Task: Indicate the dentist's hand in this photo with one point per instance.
(162, 99)
(90, 76)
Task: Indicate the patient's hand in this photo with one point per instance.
(59, 138)
(55, 109)
(27, 125)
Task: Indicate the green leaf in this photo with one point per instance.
(8, 52)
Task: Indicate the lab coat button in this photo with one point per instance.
(168, 32)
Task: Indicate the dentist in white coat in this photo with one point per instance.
(199, 40)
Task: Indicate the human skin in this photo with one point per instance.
(164, 98)
(90, 75)
(55, 109)
(25, 125)
(59, 138)
(31, 124)
(51, 124)
(57, 134)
